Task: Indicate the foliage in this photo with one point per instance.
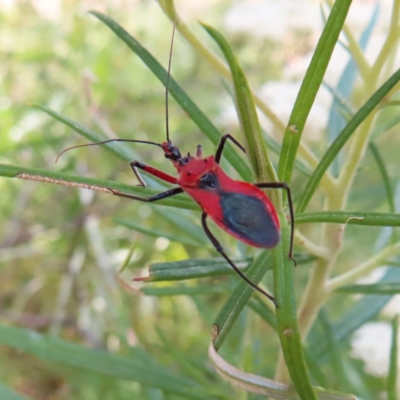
(67, 268)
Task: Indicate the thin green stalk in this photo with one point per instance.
(390, 42)
(355, 50)
(364, 268)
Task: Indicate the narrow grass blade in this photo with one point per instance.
(190, 269)
(344, 88)
(310, 86)
(384, 127)
(100, 185)
(259, 307)
(344, 136)
(350, 217)
(315, 369)
(157, 233)
(121, 150)
(232, 308)
(184, 223)
(277, 148)
(184, 290)
(334, 352)
(387, 288)
(264, 386)
(393, 367)
(254, 143)
(67, 353)
(197, 116)
(8, 394)
(385, 176)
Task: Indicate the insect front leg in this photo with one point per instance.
(221, 146)
(220, 250)
(284, 186)
(152, 171)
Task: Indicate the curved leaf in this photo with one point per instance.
(366, 218)
(264, 386)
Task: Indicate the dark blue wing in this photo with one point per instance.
(249, 219)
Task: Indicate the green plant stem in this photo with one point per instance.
(355, 50)
(315, 294)
(364, 268)
(390, 42)
(309, 246)
(219, 66)
(358, 147)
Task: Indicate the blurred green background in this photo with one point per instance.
(60, 248)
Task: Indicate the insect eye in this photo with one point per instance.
(208, 180)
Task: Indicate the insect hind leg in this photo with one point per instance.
(284, 186)
(220, 250)
(159, 196)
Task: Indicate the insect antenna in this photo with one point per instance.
(167, 83)
(106, 141)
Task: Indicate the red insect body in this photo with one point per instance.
(242, 197)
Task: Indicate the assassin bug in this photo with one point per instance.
(240, 208)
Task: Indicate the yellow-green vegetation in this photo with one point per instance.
(74, 325)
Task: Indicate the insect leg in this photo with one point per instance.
(152, 171)
(284, 186)
(159, 196)
(221, 146)
(220, 250)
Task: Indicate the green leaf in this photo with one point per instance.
(384, 127)
(342, 382)
(63, 352)
(190, 269)
(120, 149)
(232, 308)
(157, 233)
(393, 367)
(343, 137)
(375, 288)
(310, 86)
(350, 217)
(101, 185)
(254, 143)
(184, 290)
(8, 394)
(198, 117)
(260, 308)
(184, 223)
(385, 176)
